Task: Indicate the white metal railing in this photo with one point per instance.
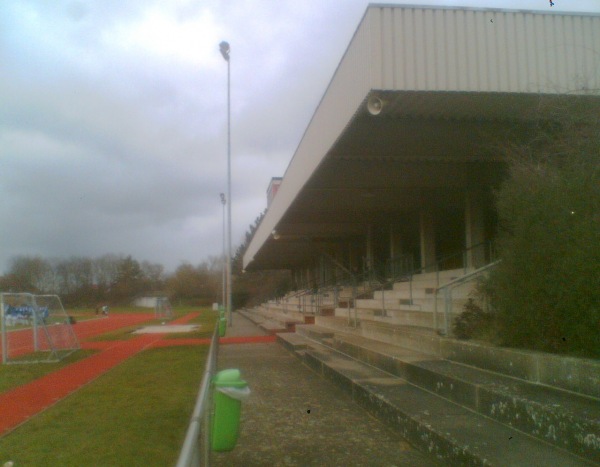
(195, 451)
(449, 286)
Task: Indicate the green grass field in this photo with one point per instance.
(136, 414)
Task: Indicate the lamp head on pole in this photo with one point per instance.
(224, 48)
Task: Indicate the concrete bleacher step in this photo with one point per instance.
(271, 321)
(581, 376)
(455, 434)
(315, 332)
(423, 319)
(391, 304)
(292, 341)
(252, 316)
(565, 419)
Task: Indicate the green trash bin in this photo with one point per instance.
(222, 326)
(229, 391)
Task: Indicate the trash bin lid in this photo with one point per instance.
(230, 378)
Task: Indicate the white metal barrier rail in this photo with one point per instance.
(195, 451)
(447, 288)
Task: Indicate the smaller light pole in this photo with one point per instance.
(223, 202)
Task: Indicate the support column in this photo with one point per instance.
(369, 255)
(474, 229)
(395, 252)
(427, 237)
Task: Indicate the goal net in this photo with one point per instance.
(35, 328)
(162, 308)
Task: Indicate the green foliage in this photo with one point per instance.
(252, 288)
(82, 281)
(546, 291)
(473, 322)
(199, 286)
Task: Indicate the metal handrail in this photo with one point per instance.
(195, 452)
(468, 276)
(382, 284)
(447, 287)
(377, 283)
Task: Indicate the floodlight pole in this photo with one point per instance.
(223, 202)
(225, 49)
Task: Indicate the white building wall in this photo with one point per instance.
(146, 302)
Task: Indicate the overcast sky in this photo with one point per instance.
(113, 123)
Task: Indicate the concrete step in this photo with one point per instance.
(454, 434)
(292, 341)
(581, 376)
(252, 315)
(403, 290)
(569, 421)
(394, 317)
(444, 276)
(272, 313)
(314, 332)
(389, 304)
(273, 327)
(417, 333)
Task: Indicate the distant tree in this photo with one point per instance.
(74, 278)
(153, 275)
(106, 269)
(253, 288)
(129, 280)
(30, 274)
(74, 274)
(194, 285)
(238, 258)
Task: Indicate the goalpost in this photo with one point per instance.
(162, 308)
(35, 329)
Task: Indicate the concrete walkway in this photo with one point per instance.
(296, 418)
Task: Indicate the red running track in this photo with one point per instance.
(21, 342)
(21, 403)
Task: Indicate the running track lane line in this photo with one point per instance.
(23, 402)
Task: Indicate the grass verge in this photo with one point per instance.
(136, 414)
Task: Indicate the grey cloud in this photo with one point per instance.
(110, 147)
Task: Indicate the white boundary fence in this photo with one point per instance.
(196, 446)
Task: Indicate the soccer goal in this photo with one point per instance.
(35, 329)
(162, 308)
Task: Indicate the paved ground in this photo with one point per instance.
(296, 418)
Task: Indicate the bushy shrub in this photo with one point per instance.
(546, 290)
(473, 322)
